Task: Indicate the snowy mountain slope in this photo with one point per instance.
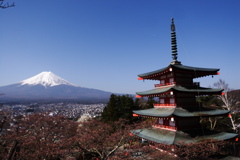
(47, 86)
(47, 79)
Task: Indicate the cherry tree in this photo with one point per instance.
(205, 149)
(39, 136)
(100, 139)
(113, 141)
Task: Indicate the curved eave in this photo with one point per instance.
(198, 135)
(221, 136)
(198, 90)
(180, 137)
(156, 135)
(166, 90)
(179, 112)
(196, 71)
(154, 91)
(155, 112)
(152, 74)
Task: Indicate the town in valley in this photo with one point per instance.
(69, 110)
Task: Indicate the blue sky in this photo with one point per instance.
(105, 44)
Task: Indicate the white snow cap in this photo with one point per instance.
(47, 79)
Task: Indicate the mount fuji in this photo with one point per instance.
(48, 87)
(46, 79)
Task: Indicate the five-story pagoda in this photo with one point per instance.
(177, 114)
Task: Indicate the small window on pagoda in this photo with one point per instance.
(162, 82)
(160, 121)
(171, 80)
(162, 101)
(172, 123)
(172, 100)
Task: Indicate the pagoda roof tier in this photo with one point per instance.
(193, 90)
(178, 137)
(195, 71)
(180, 112)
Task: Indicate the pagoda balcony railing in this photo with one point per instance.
(174, 83)
(188, 84)
(171, 128)
(164, 84)
(165, 105)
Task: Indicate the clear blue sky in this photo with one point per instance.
(105, 44)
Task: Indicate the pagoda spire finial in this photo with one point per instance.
(174, 44)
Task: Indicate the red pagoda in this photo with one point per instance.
(177, 114)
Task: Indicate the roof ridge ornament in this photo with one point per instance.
(174, 44)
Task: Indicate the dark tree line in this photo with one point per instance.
(119, 106)
(122, 106)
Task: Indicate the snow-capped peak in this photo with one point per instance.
(47, 79)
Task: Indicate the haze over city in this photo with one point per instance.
(105, 44)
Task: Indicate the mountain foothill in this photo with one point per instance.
(48, 87)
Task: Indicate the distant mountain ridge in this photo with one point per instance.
(49, 87)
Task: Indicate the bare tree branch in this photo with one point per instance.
(228, 99)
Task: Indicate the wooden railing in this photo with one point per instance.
(171, 128)
(181, 83)
(164, 84)
(165, 105)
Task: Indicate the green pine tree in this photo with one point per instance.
(120, 106)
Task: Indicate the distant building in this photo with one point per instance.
(177, 114)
